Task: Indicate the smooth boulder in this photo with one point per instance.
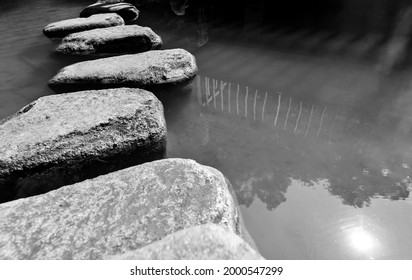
(112, 40)
(126, 10)
(118, 212)
(63, 139)
(203, 242)
(143, 70)
(63, 28)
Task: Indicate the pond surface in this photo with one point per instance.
(315, 140)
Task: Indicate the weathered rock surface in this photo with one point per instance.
(111, 40)
(65, 27)
(204, 242)
(63, 139)
(143, 70)
(126, 10)
(114, 213)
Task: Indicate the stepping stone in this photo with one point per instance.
(143, 70)
(63, 28)
(204, 242)
(127, 11)
(110, 40)
(62, 139)
(117, 212)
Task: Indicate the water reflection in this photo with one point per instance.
(312, 224)
(261, 139)
(361, 240)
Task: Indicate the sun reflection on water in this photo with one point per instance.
(362, 240)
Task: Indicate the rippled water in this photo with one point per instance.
(315, 140)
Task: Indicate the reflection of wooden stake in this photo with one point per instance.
(237, 100)
(207, 85)
(221, 95)
(214, 84)
(230, 85)
(222, 87)
(287, 114)
(297, 120)
(264, 104)
(247, 93)
(310, 119)
(199, 91)
(277, 112)
(254, 106)
(321, 120)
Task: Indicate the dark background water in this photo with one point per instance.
(290, 103)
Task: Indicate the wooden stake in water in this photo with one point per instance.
(277, 111)
(254, 106)
(228, 99)
(237, 100)
(310, 119)
(263, 108)
(297, 120)
(287, 114)
(321, 121)
(247, 93)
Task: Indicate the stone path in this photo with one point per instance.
(62, 139)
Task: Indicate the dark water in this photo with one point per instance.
(316, 140)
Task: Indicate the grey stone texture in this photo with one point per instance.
(203, 242)
(110, 41)
(126, 10)
(118, 212)
(63, 139)
(63, 28)
(143, 70)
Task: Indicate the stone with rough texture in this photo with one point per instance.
(118, 212)
(143, 70)
(110, 40)
(65, 27)
(204, 242)
(126, 10)
(63, 139)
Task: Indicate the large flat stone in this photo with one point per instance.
(203, 242)
(126, 10)
(111, 40)
(65, 27)
(63, 139)
(143, 70)
(118, 212)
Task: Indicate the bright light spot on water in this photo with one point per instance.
(361, 240)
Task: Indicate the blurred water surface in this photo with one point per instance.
(315, 139)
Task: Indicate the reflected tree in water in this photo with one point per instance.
(260, 160)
